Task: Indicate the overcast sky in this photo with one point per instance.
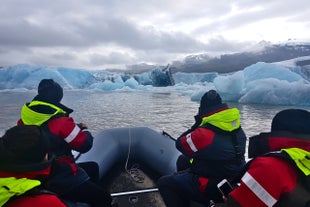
(99, 34)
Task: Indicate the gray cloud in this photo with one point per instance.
(97, 33)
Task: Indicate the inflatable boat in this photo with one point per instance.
(130, 161)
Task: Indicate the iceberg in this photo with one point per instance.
(260, 83)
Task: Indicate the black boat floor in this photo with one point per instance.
(136, 178)
(130, 180)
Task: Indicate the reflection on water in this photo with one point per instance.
(161, 111)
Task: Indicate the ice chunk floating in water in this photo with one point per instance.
(261, 83)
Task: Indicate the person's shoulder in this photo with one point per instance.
(46, 200)
(204, 131)
(267, 161)
(272, 165)
(62, 119)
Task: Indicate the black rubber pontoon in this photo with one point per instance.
(130, 161)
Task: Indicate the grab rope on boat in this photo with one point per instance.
(134, 170)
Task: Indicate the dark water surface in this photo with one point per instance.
(158, 110)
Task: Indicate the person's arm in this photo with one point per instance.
(263, 184)
(195, 141)
(76, 135)
(231, 202)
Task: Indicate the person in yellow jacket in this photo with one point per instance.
(212, 149)
(70, 180)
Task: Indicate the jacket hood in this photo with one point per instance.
(58, 104)
(227, 120)
(37, 112)
(31, 171)
(274, 141)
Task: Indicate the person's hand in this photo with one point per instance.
(82, 125)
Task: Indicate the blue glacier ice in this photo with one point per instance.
(260, 83)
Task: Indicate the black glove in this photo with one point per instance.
(82, 126)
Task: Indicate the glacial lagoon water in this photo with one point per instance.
(160, 110)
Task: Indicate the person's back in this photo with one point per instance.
(212, 149)
(279, 174)
(214, 152)
(46, 111)
(24, 167)
(67, 178)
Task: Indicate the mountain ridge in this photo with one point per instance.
(227, 63)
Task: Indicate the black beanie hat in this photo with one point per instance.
(210, 99)
(50, 91)
(293, 120)
(23, 145)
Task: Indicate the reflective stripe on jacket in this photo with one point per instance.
(274, 179)
(271, 181)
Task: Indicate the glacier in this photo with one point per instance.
(261, 83)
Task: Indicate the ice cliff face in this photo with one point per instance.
(281, 83)
(26, 76)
